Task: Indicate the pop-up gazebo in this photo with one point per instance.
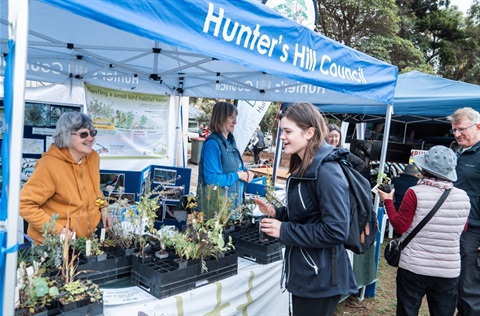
(220, 49)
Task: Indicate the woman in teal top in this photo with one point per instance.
(221, 163)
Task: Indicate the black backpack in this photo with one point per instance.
(363, 219)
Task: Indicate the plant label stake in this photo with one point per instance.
(88, 248)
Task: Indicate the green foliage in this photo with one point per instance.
(205, 106)
(51, 247)
(213, 200)
(272, 196)
(100, 111)
(354, 21)
(201, 240)
(80, 289)
(166, 236)
(95, 246)
(270, 118)
(203, 236)
(382, 179)
(34, 290)
(428, 36)
(447, 39)
(119, 234)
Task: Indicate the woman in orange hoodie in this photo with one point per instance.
(66, 181)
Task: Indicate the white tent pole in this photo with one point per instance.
(177, 127)
(18, 32)
(278, 155)
(383, 157)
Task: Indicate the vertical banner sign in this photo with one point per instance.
(129, 124)
(250, 113)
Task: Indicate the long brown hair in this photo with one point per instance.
(305, 115)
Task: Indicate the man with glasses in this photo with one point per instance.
(66, 181)
(466, 129)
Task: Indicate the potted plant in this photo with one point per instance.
(144, 219)
(34, 292)
(384, 183)
(75, 293)
(108, 245)
(51, 248)
(78, 294)
(89, 249)
(214, 203)
(120, 234)
(165, 235)
(203, 239)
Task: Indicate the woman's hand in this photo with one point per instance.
(245, 175)
(250, 176)
(264, 207)
(384, 195)
(107, 219)
(271, 227)
(66, 232)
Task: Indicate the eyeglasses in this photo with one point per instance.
(84, 135)
(461, 129)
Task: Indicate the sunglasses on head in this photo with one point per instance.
(84, 135)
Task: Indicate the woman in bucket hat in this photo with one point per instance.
(430, 263)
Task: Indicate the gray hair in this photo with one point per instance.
(68, 123)
(334, 127)
(464, 113)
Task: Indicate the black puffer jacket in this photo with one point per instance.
(314, 229)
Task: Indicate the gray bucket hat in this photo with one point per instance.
(439, 161)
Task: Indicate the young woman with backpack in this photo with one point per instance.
(313, 227)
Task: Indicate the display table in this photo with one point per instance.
(255, 290)
(281, 173)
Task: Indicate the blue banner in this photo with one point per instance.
(249, 34)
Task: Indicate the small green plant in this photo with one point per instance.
(34, 290)
(214, 202)
(108, 242)
(119, 234)
(274, 197)
(384, 183)
(51, 247)
(80, 289)
(382, 179)
(80, 245)
(166, 236)
(201, 239)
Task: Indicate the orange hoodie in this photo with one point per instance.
(61, 185)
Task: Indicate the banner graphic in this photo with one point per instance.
(129, 124)
(250, 113)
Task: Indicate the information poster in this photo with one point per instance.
(28, 165)
(129, 124)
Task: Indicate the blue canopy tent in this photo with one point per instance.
(219, 49)
(418, 98)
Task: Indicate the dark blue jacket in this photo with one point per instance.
(401, 185)
(468, 173)
(314, 229)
